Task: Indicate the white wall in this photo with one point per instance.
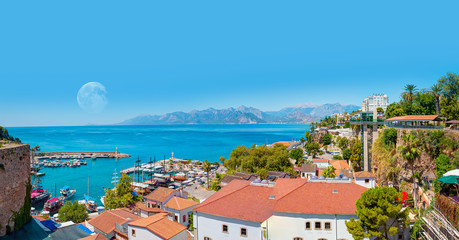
(307, 175)
(144, 234)
(361, 182)
(180, 214)
(322, 165)
(208, 225)
(290, 225)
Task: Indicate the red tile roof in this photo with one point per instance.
(319, 198)
(97, 236)
(160, 194)
(363, 174)
(241, 200)
(141, 206)
(160, 225)
(415, 118)
(320, 160)
(106, 221)
(180, 203)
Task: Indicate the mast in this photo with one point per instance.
(88, 186)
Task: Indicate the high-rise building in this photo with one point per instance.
(375, 101)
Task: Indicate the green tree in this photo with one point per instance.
(347, 125)
(408, 95)
(206, 168)
(222, 160)
(356, 155)
(346, 154)
(111, 201)
(124, 193)
(343, 143)
(380, 110)
(312, 148)
(308, 136)
(326, 139)
(329, 172)
(450, 91)
(297, 154)
(436, 90)
(262, 173)
(389, 137)
(337, 157)
(73, 211)
(380, 214)
(410, 152)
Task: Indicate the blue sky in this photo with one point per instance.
(162, 56)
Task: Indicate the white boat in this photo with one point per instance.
(102, 200)
(67, 193)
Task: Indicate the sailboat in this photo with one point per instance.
(114, 181)
(91, 203)
(38, 195)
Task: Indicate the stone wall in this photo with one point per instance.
(14, 175)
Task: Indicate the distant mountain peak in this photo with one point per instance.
(301, 113)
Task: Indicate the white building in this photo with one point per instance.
(375, 101)
(321, 163)
(181, 209)
(308, 170)
(366, 179)
(156, 227)
(287, 209)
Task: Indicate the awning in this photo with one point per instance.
(449, 179)
(454, 172)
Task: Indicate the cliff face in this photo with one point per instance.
(388, 165)
(14, 176)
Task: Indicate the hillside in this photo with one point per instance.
(303, 113)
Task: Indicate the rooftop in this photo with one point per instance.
(180, 203)
(106, 221)
(97, 236)
(415, 118)
(160, 194)
(160, 225)
(242, 200)
(364, 174)
(308, 167)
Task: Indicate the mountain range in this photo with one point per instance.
(302, 113)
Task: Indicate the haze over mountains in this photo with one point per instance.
(302, 113)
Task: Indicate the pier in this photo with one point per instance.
(80, 155)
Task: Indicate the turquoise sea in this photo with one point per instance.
(197, 142)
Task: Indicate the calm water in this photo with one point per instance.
(197, 142)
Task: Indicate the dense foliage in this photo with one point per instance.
(122, 195)
(389, 136)
(254, 158)
(326, 139)
(356, 155)
(329, 172)
(379, 214)
(440, 99)
(346, 154)
(73, 211)
(4, 135)
(297, 154)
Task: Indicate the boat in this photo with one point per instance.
(90, 203)
(67, 193)
(52, 206)
(102, 200)
(38, 195)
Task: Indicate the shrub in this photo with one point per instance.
(389, 137)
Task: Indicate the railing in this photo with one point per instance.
(415, 127)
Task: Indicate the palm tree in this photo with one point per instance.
(410, 152)
(206, 168)
(408, 95)
(436, 90)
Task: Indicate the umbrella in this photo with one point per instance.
(454, 172)
(449, 179)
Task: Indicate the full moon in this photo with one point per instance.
(91, 97)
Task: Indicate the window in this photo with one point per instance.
(184, 218)
(243, 232)
(367, 180)
(317, 225)
(308, 225)
(327, 226)
(176, 219)
(297, 238)
(207, 238)
(133, 232)
(225, 228)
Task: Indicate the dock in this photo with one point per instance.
(80, 155)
